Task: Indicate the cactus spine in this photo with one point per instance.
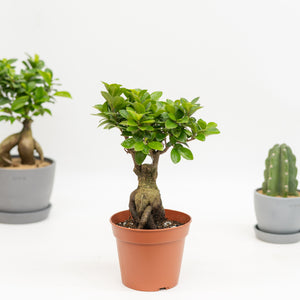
(280, 173)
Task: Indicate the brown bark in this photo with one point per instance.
(145, 202)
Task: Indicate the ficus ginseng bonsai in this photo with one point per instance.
(151, 127)
(23, 96)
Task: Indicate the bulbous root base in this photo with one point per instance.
(148, 215)
(26, 146)
(145, 202)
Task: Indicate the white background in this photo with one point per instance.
(241, 57)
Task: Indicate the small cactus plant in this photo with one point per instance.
(280, 173)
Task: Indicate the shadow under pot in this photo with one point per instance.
(25, 194)
(278, 218)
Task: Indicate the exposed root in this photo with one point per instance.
(39, 150)
(8, 161)
(151, 223)
(132, 207)
(145, 217)
(5, 147)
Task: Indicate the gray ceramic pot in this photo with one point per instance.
(278, 218)
(25, 194)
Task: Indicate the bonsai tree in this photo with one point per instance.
(280, 172)
(150, 127)
(23, 96)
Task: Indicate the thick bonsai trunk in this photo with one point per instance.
(145, 202)
(26, 146)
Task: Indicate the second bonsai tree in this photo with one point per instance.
(23, 96)
(150, 128)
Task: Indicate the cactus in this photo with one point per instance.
(280, 173)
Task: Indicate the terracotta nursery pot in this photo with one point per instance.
(150, 260)
(25, 194)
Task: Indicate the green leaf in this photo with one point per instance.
(147, 127)
(170, 124)
(182, 138)
(109, 126)
(138, 136)
(124, 113)
(47, 77)
(105, 122)
(194, 101)
(128, 143)
(170, 108)
(99, 107)
(140, 157)
(7, 118)
(63, 94)
(39, 93)
(131, 122)
(4, 118)
(156, 95)
(132, 128)
(19, 103)
(185, 119)
(148, 122)
(124, 123)
(146, 150)
(202, 124)
(156, 146)
(113, 89)
(11, 61)
(107, 97)
(179, 114)
(31, 86)
(4, 101)
(210, 131)
(172, 116)
(194, 109)
(211, 125)
(139, 146)
(118, 103)
(139, 107)
(48, 111)
(160, 136)
(134, 115)
(42, 100)
(200, 137)
(186, 153)
(175, 156)
(176, 132)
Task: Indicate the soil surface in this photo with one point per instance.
(18, 166)
(130, 223)
(289, 196)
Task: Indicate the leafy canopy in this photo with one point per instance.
(151, 125)
(23, 94)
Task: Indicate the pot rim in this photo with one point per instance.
(50, 160)
(276, 197)
(151, 230)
